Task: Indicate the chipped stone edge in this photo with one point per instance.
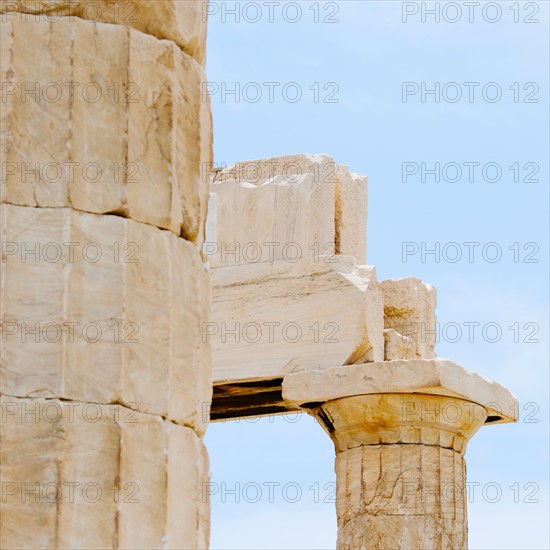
(432, 377)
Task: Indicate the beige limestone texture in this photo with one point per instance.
(103, 309)
(181, 21)
(280, 201)
(274, 306)
(118, 126)
(433, 377)
(400, 471)
(397, 346)
(285, 208)
(401, 496)
(351, 215)
(82, 475)
(258, 172)
(401, 418)
(409, 309)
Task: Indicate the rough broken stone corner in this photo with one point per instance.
(120, 360)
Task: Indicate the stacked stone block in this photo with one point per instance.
(400, 418)
(409, 318)
(294, 257)
(296, 206)
(103, 290)
(105, 119)
(288, 271)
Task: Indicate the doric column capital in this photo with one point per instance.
(406, 418)
(400, 430)
(418, 382)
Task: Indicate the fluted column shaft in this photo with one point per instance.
(400, 469)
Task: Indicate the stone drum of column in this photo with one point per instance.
(400, 469)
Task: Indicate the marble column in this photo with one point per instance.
(104, 375)
(400, 431)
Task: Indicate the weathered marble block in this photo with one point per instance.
(103, 309)
(409, 309)
(285, 208)
(437, 377)
(351, 215)
(397, 346)
(271, 319)
(82, 475)
(104, 119)
(183, 22)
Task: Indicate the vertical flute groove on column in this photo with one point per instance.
(400, 469)
(389, 494)
(112, 164)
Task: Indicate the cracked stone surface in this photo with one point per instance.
(181, 22)
(400, 431)
(291, 317)
(290, 207)
(397, 346)
(80, 475)
(409, 309)
(427, 376)
(105, 380)
(400, 469)
(128, 137)
(401, 496)
(114, 317)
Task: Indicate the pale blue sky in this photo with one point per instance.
(368, 54)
